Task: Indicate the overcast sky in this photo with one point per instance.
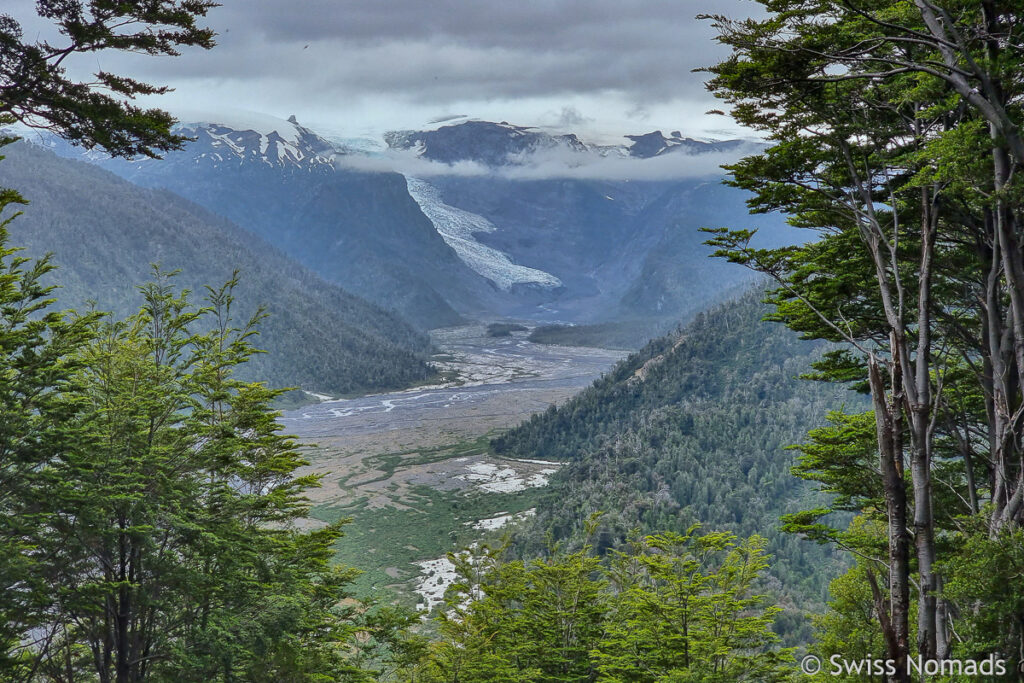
(359, 67)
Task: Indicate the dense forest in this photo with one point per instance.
(693, 428)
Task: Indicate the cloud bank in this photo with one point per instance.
(359, 61)
(558, 162)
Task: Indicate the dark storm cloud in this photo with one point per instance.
(437, 50)
(535, 24)
(381, 60)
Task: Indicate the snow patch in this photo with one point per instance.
(498, 479)
(276, 141)
(438, 575)
(501, 520)
(457, 228)
(263, 124)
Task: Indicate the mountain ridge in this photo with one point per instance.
(507, 236)
(104, 232)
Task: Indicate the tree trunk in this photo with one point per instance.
(921, 446)
(888, 423)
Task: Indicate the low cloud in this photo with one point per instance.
(558, 162)
(571, 117)
(408, 163)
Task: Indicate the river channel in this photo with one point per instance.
(499, 381)
(413, 470)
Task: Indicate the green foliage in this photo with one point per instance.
(984, 573)
(895, 139)
(841, 458)
(35, 88)
(684, 611)
(849, 628)
(37, 368)
(670, 608)
(692, 427)
(160, 541)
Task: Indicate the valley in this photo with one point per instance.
(413, 469)
(511, 342)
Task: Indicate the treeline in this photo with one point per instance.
(693, 428)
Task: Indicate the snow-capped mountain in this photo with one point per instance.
(266, 140)
(656, 144)
(517, 230)
(500, 144)
(490, 144)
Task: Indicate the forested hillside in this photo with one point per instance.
(105, 233)
(691, 428)
(844, 443)
(359, 231)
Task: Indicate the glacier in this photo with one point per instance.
(457, 229)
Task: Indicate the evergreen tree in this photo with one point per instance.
(38, 367)
(154, 537)
(685, 610)
(35, 88)
(670, 608)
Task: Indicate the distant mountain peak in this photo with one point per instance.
(656, 143)
(485, 142)
(502, 144)
(262, 139)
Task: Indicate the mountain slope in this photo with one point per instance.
(691, 428)
(478, 219)
(622, 248)
(361, 231)
(105, 232)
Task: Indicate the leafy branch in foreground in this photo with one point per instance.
(36, 90)
(895, 139)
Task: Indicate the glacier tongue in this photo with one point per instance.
(456, 227)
